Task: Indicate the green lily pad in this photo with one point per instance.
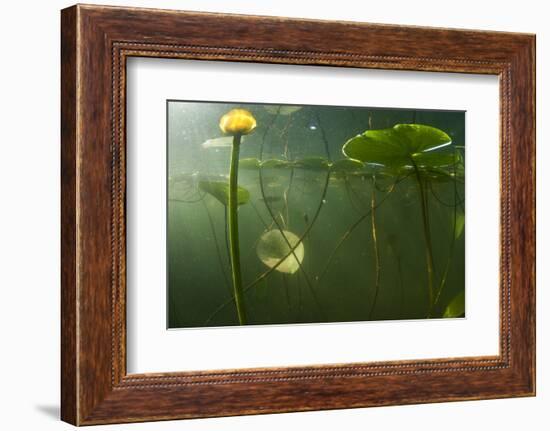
(459, 224)
(456, 307)
(436, 175)
(458, 169)
(277, 244)
(275, 164)
(445, 157)
(282, 109)
(312, 163)
(220, 191)
(398, 171)
(347, 165)
(249, 163)
(420, 137)
(399, 145)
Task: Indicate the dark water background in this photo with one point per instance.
(199, 273)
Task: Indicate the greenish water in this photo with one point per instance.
(320, 240)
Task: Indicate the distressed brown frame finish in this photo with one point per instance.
(96, 41)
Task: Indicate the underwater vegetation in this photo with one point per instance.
(301, 214)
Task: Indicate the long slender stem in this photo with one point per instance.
(448, 264)
(286, 208)
(427, 234)
(427, 239)
(266, 227)
(351, 229)
(226, 231)
(453, 242)
(233, 224)
(351, 192)
(375, 246)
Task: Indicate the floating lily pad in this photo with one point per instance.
(272, 247)
(458, 169)
(459, 224)
(312, 163)
(282, 109)
(220, 191)
(347, 165)
(370, 171)
(275, 164)
(447, 156)
(437, 175)
(456, 307)
(398, 171)
(182, 177)
(221, 142)
(250, 163)
(399, 146)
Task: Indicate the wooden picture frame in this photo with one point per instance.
(95, 43)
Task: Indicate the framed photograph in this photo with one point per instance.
(264, 214)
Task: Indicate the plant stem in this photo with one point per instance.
(427, 235)
(233, 224)
(453, 241)
(375, 246)
(427, 239)
(352, 228)
(447, 265)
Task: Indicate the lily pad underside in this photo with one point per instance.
(455, 308)
(220, 191)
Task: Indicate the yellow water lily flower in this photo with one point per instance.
(237, 122)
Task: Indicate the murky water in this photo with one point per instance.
(331, 227)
